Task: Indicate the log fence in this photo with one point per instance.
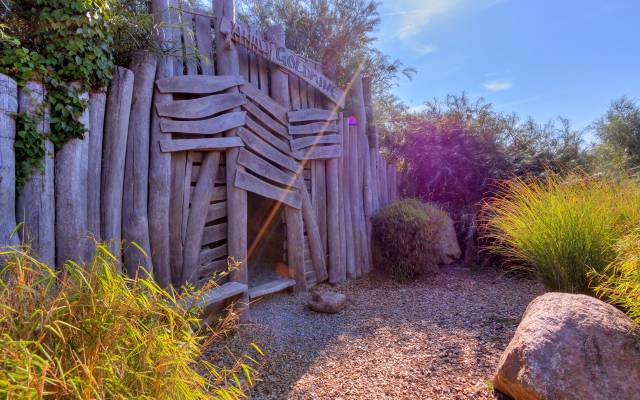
(175, 144)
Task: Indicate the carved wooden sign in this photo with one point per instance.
(283, 57)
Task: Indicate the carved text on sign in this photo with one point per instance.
(283, 57)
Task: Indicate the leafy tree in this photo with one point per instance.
(619, 133)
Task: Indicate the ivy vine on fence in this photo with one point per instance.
(56, 42)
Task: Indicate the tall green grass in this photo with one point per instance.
(90, 332)
(560, 229)
(620, 282)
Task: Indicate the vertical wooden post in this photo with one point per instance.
(97, 106)
(204, 44)
(355, 198)
(333, 220)
(313, 232)
(350, 261)
(114, 148)
(160, 163)
(228, 64)
(135, 222)
(8, 106)
(36, 207)
(383, 181)
(372, 134)
(295, 227)
(71, 164)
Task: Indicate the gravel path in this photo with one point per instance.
(437, 338)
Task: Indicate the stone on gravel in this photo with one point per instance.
(571, 347)
(449, 248)
(327, 302)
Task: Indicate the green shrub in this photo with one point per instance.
(620, 282)
(93, 333)
(405, 238)
(562, 229)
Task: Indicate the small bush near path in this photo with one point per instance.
(92, 333)
(620, 282)
(560, 229)
(405, 238)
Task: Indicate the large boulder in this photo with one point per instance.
(327, 302)
(448, 246)
(571, 347)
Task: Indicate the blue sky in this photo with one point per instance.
(542, 58)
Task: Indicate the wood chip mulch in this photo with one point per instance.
(438, 338)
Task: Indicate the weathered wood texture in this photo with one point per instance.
(135, 221)
(204, 44)
(160, 163)
(228, 64)
(210, 144)
(208, 126)
(97, 108)
(71, 163)
(202, 107)
(293, 215)
(200, 84)
(8, 106)
(114, 148)
(346, 202)
(35, 205)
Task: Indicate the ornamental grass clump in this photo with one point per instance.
(405, 238)
(619, 284)
(90, 332)
(560, 229)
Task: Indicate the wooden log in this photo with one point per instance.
(135, 222)
(333, 211)
(368, 200)
(201, 107)
(294, 93)
(313, 234)
(204, 44)
(346, 201)
(256, 185)
(319, 153)
(71, 163)
(35, 206)
(312, 114)
(295, 226)
(188, 40)
(200, 200)
(177, 59)
(198, 84)
(160, 163)
(319, 198)
(8, 106)
(97, 105)
(114, 148)
(178, 211)
(383, 182)
(313, 128)
(263, 71)
(356, 198)
(228, 63)
(372, 134)
(209, 144)
(208, 126)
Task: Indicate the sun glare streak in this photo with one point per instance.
(298, 175)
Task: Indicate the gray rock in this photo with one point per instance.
(327, 302)
(571, 347)
(449, 248)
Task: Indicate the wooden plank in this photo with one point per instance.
(314, 240)
(135, 222)
(208, 255)
(176, 216)
(216, 211)
(271, 287)
(319, 153)
(301, 143)
(35, 205)
(304, 100)
(312, 128)
(266, 102)
(214, 233)
(264, 149)
(209, 144)
(294, 90)
(201, 107)
(223, 292)
(261, 116)
(264, 75)
(213, 267)
(198, 84)
(256, 185)
(265, 169)
(197, 235)
(204, 44)
(219, 193)
(270, 138)
(220, 177)
(312, 114)
(208, 126)
(114, 149)
(186, 190)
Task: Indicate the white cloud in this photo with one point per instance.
(416, 14)
(423, 49)
(497, 86)
(418, 108)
